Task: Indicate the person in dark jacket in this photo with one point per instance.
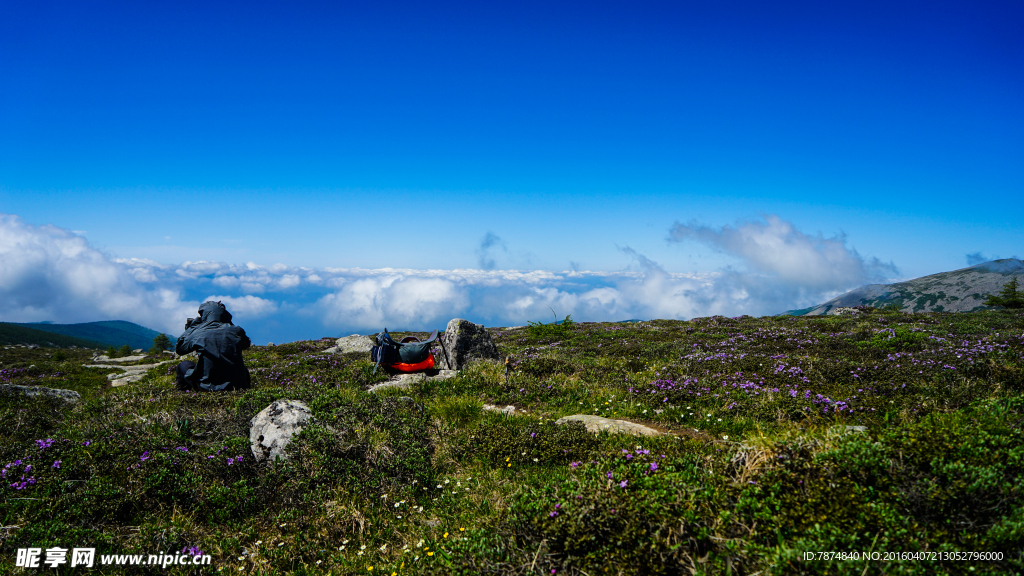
(219, 344)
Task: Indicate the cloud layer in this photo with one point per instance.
(48, 273)
(775, 247)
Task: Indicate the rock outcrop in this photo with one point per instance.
(597, 424)
(510, 409)
(105, 358)
(273, 428)
(405, 381)
(30, 391)
(129, 374)
(464, 342)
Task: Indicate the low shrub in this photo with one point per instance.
(373, 445)
(505, 442)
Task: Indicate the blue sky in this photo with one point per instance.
(780, 153)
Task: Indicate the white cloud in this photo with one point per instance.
(249, 307)
(141, 268)
(287, 281)
(393, 301)
(227, 281)
(775, 247)
(49, 273)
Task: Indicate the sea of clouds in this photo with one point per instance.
(48, 273)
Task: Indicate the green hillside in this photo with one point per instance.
(110, 333)
(22, 334)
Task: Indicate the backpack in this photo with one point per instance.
(409, 355)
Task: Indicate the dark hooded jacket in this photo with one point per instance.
(219, 344)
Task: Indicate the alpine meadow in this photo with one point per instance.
(893, 438)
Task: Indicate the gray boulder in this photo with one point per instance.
(463, 342)
(272, 429)
(30, 391)
(349, 344)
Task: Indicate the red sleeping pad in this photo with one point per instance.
(425, 365)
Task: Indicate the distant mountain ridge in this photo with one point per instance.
(109, 333)
(962, 290)
(13, 334)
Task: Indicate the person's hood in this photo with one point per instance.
(213, 312)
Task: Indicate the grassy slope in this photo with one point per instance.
(21, 334)
(110, 333)
(757, 470)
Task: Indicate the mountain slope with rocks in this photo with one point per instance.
(961, 290)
